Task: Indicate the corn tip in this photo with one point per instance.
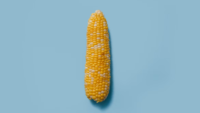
(98, 11)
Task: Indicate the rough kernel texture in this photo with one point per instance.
(97, 67)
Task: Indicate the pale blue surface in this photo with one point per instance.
(155, 54)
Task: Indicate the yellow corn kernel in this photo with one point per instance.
(97, 67)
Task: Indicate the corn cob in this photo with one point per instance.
(97, 67)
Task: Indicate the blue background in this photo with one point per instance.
(155, 56)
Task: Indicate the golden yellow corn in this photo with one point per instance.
(97, 67)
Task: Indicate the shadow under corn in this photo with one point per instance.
(108, 100)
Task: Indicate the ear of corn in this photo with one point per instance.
(97, 67)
